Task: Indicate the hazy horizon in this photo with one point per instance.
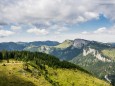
(52, 40)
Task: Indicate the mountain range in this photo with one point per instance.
(22, 45)
(96, 57)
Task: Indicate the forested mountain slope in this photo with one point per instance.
(96, 57)
(19, 68)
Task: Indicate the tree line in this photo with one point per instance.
(38, 58)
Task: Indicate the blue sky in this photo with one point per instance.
(93, 24)
(57, 20)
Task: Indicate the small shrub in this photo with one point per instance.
(3, 64)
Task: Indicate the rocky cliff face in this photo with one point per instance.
(96, 54)
(79, 43)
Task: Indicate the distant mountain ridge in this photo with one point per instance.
(69, 49)
(22, 45)
(113, 45)
(96, 57)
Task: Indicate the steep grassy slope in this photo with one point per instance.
(100, 59)
(109, 53)
(95, 66)
(67, 77)
(13, 74)
(39, 69)
(65, 44)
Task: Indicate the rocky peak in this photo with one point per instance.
(79, 43)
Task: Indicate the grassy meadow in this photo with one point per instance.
(109, 53)
(13, 74)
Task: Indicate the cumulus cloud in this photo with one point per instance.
(38, 31)
(101, 30)
(57, 29)
(15, 28)
(69, 11)
(112, 30)
(31, 11)
(84, 32)
(102, 33)
(104, 30)
(5, 33)
(48, 12)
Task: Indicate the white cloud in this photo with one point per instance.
(101, 30)
(102, 34)
(52, 29)
(15, 28)
(58, 29)
(108, 36)
(111, 30)
(69, 11)
(31, 11)
(84, 32)
(5, 33)
(105, 30)
(38, 31)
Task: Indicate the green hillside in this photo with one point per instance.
(99, 60)
(95, 66)
(65, 44)
(13, 74)
(109, 53)
(39, 69)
